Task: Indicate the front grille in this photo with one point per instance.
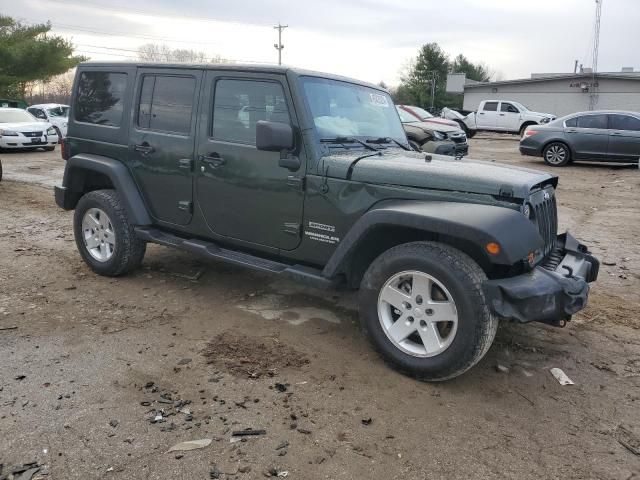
(32, 134)
(545, 215)
(458, 138)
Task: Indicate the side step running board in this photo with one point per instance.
(307, 275)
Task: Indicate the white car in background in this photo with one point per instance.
(56, 114)
(21, 130)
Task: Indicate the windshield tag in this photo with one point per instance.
(379, 100)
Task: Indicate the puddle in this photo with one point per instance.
(279, 307)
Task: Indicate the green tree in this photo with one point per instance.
(474, 71)
(30, 53)
(432, 66)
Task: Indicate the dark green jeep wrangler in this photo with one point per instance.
(311, 176)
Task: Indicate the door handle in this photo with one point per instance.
(144, 148)
(481, 113)
(214, 160)
(572, 131)
(616, 133)
(501, 114)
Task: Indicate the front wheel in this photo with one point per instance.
(104, 237)
(556, 154)
(423, 308)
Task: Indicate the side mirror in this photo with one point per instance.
(273, 136)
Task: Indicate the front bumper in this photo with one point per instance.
(551, 292)
(20, 141)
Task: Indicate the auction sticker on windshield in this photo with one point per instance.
(379, 100)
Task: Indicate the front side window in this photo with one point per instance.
(166, 103)
(507, 107)
(592, 121)
(239, 104)
(99, 98)
(572, 122)
(342, 109)
(491, 107)
(624, 122)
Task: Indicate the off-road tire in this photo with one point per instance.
(128, 251)
(463, 278)
(547, 150)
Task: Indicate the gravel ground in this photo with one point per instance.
(208, 349)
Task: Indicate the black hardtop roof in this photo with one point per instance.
(251, 67)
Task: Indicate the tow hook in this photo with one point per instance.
(570, 270)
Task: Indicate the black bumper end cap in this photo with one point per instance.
(63, 198)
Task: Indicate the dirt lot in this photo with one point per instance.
(210, 349)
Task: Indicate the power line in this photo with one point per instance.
(122, 8)
(63, 26)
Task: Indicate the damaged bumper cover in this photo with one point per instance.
(552, 291)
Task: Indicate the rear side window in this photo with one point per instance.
(491, 107)
(166, 103)
(239, 104)
(99, 98)
(624, 122)
(592, 121)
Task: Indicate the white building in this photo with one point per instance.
(557, 93)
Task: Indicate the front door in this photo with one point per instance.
(508, 118)
(243, 193)
(624, 137)
(589, 138)
(162, 141)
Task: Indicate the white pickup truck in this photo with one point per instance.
(496, 116)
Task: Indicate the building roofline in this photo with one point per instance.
(572, 76)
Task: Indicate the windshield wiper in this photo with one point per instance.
(388, 140)
(342, 140)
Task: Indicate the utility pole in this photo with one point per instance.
(594, 64)
(279, 46)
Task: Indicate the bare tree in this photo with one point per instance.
(56, 90)
(152, 52)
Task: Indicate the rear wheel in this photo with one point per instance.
(556, 154)
(423, 308)
(104, 237)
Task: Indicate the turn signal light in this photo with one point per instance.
(492, 248)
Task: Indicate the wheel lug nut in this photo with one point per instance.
(423, 324)
(429, 311)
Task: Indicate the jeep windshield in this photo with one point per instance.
(347, 110)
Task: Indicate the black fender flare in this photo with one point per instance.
(73, 184)
(476, 223)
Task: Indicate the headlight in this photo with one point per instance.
(438, 135)
(51, 131)
(8, 133)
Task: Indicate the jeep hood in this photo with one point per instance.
(410, 169)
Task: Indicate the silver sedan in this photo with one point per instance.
(606, 136)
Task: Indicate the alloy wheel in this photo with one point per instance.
(98, 234)
(417, 313)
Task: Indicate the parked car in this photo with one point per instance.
(606, 136)
(21, 130)
(56, 114)
(320, 186)
(433, 138)
(424, 116)
(497, 116)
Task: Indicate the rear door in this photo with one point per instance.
(508, 117)
(624, 137)
(243, 192)
(162, 141)
(589, 138)
(487, 118)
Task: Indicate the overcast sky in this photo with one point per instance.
(368, 39)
